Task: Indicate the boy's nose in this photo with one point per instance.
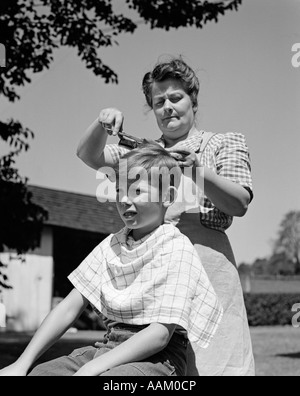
(125, 200)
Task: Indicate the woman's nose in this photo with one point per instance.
(168, 107)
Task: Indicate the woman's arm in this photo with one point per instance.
(229, 197)
(91, 148)
(141, 346)
(51, 330)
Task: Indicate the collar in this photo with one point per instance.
(193, 143)
(127, 239)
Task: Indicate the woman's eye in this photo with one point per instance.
(176, 99)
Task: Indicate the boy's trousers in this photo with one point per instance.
(172, 361)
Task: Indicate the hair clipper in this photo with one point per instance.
(129, 141)
(125, 139)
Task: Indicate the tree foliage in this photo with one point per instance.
(285, 258)
(21, 219)
(19, 216)
(280, 265)
(167, 14)
(288, 241)
(31, 30)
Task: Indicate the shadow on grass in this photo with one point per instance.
(290, 355)
(9, 353)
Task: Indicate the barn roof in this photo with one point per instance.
(77, 211)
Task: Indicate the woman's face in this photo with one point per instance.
(173, 108)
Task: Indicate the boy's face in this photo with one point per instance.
(140, 206)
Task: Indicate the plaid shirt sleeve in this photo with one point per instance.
(233, 160)
(116, 152)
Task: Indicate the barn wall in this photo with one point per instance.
(30, 300)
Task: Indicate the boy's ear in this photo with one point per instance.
(170, 197)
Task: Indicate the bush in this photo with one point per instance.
(270, 309)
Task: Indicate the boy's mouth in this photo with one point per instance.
(129, 215)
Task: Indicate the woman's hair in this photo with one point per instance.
(155, 160)
(175, 69)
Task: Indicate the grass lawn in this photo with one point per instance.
(276, 349)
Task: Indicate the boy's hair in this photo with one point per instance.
(156, 161)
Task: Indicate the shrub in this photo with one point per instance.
(270, 309)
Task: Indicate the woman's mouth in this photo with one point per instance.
(170, 118)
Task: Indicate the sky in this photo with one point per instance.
(248, 85)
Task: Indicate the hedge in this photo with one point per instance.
(271, 309)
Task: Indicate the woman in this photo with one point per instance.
(222, 164)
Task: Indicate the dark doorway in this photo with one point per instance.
(70, 248)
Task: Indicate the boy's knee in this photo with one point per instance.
(41, 371)
(62, 367)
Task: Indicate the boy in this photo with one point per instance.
(147, 280)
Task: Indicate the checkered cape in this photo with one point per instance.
(227, 155)
(159, 279)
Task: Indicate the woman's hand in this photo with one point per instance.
(186, 157)
(112, 121)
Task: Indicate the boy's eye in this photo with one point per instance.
(138, 192)
(119, 191)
